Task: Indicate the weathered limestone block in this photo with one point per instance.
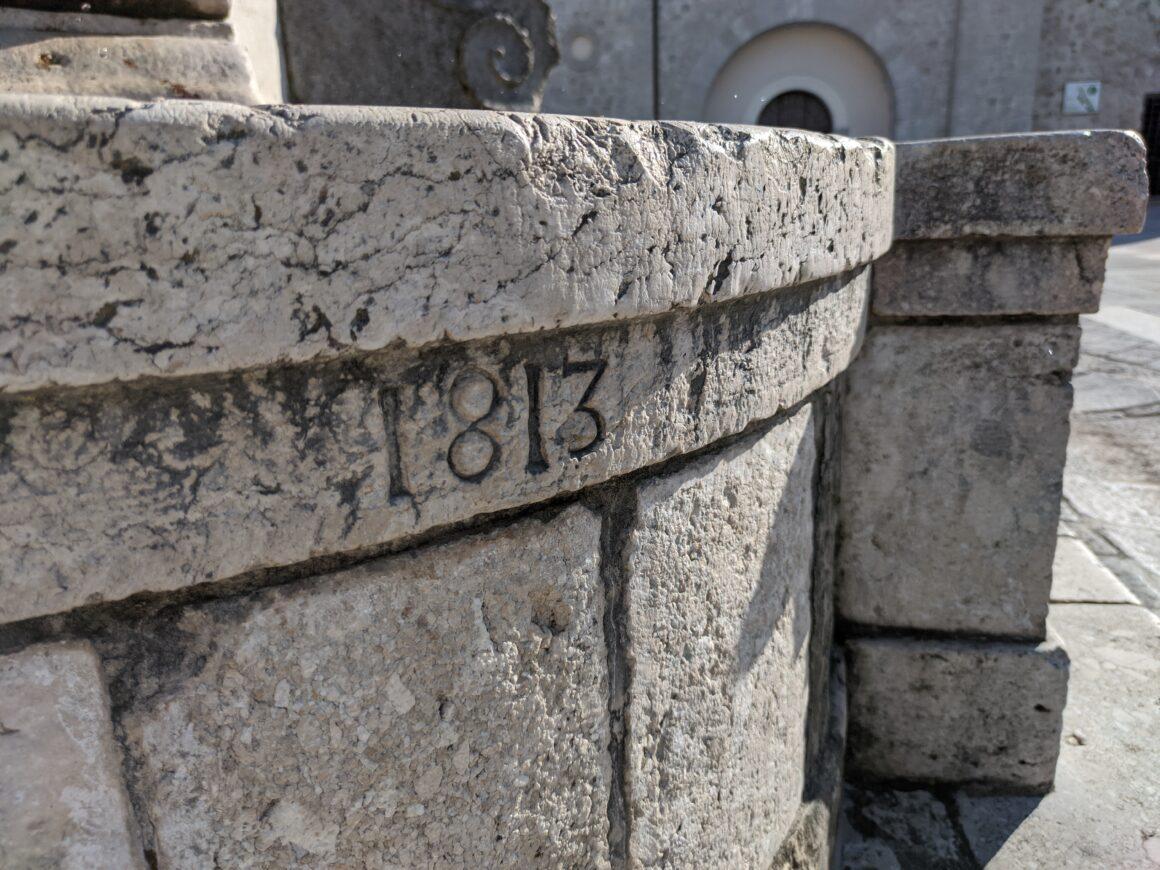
(62, 800)
(987, 277)
(444, 707)
(1084, 183)
(166, 484)
(955, 711)
(66, 54)
(811, 841)
(954, 439)
(187, 238)
(717, 604)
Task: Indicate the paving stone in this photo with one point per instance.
(233, 237)
(1078, 576)
(927, 711)
(1143, 546)
(165, 484)
(1136, 323)
(62, 799)
(984, 277)
(718, 621)
(444, 707)
(958, 535)
(1087, 183)
(1105, 807)
(1112, 448)
(1098, 392)
(1125, 505)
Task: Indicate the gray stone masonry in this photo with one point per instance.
(955, 712)
(958, 534)
(954, 439)
(449, 488)
(62, 801)
(438, 488)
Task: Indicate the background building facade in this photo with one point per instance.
(907, 69)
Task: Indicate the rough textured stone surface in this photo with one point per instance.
(810, 843)
(718, 621)
(1090, 183)
(980, 277)
(444, 707)
(955, 712)
(62, 800)
(954, 441)
(204, 238)
(166, 484)
(883, 829)
(59, 53)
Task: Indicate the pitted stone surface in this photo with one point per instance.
(990, 277)
(955, 712)
(1088, 183)
(166, 484)
(62, 799)
(954, 440)
(444, 707)
(718, 620)
(188, 237)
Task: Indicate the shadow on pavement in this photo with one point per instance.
(888, 829)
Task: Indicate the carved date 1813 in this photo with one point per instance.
(476, 407)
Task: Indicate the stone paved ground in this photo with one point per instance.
(1105, 809)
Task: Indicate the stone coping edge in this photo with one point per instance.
(187, 237)
(1075, 183)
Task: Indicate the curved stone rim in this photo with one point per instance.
(182, 482)
(183, 238)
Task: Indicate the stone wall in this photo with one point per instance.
(1113, 42)
(422, 487)
(955, 430)
(460, 488)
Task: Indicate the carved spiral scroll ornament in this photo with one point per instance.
(506, 53)
(496, 59)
